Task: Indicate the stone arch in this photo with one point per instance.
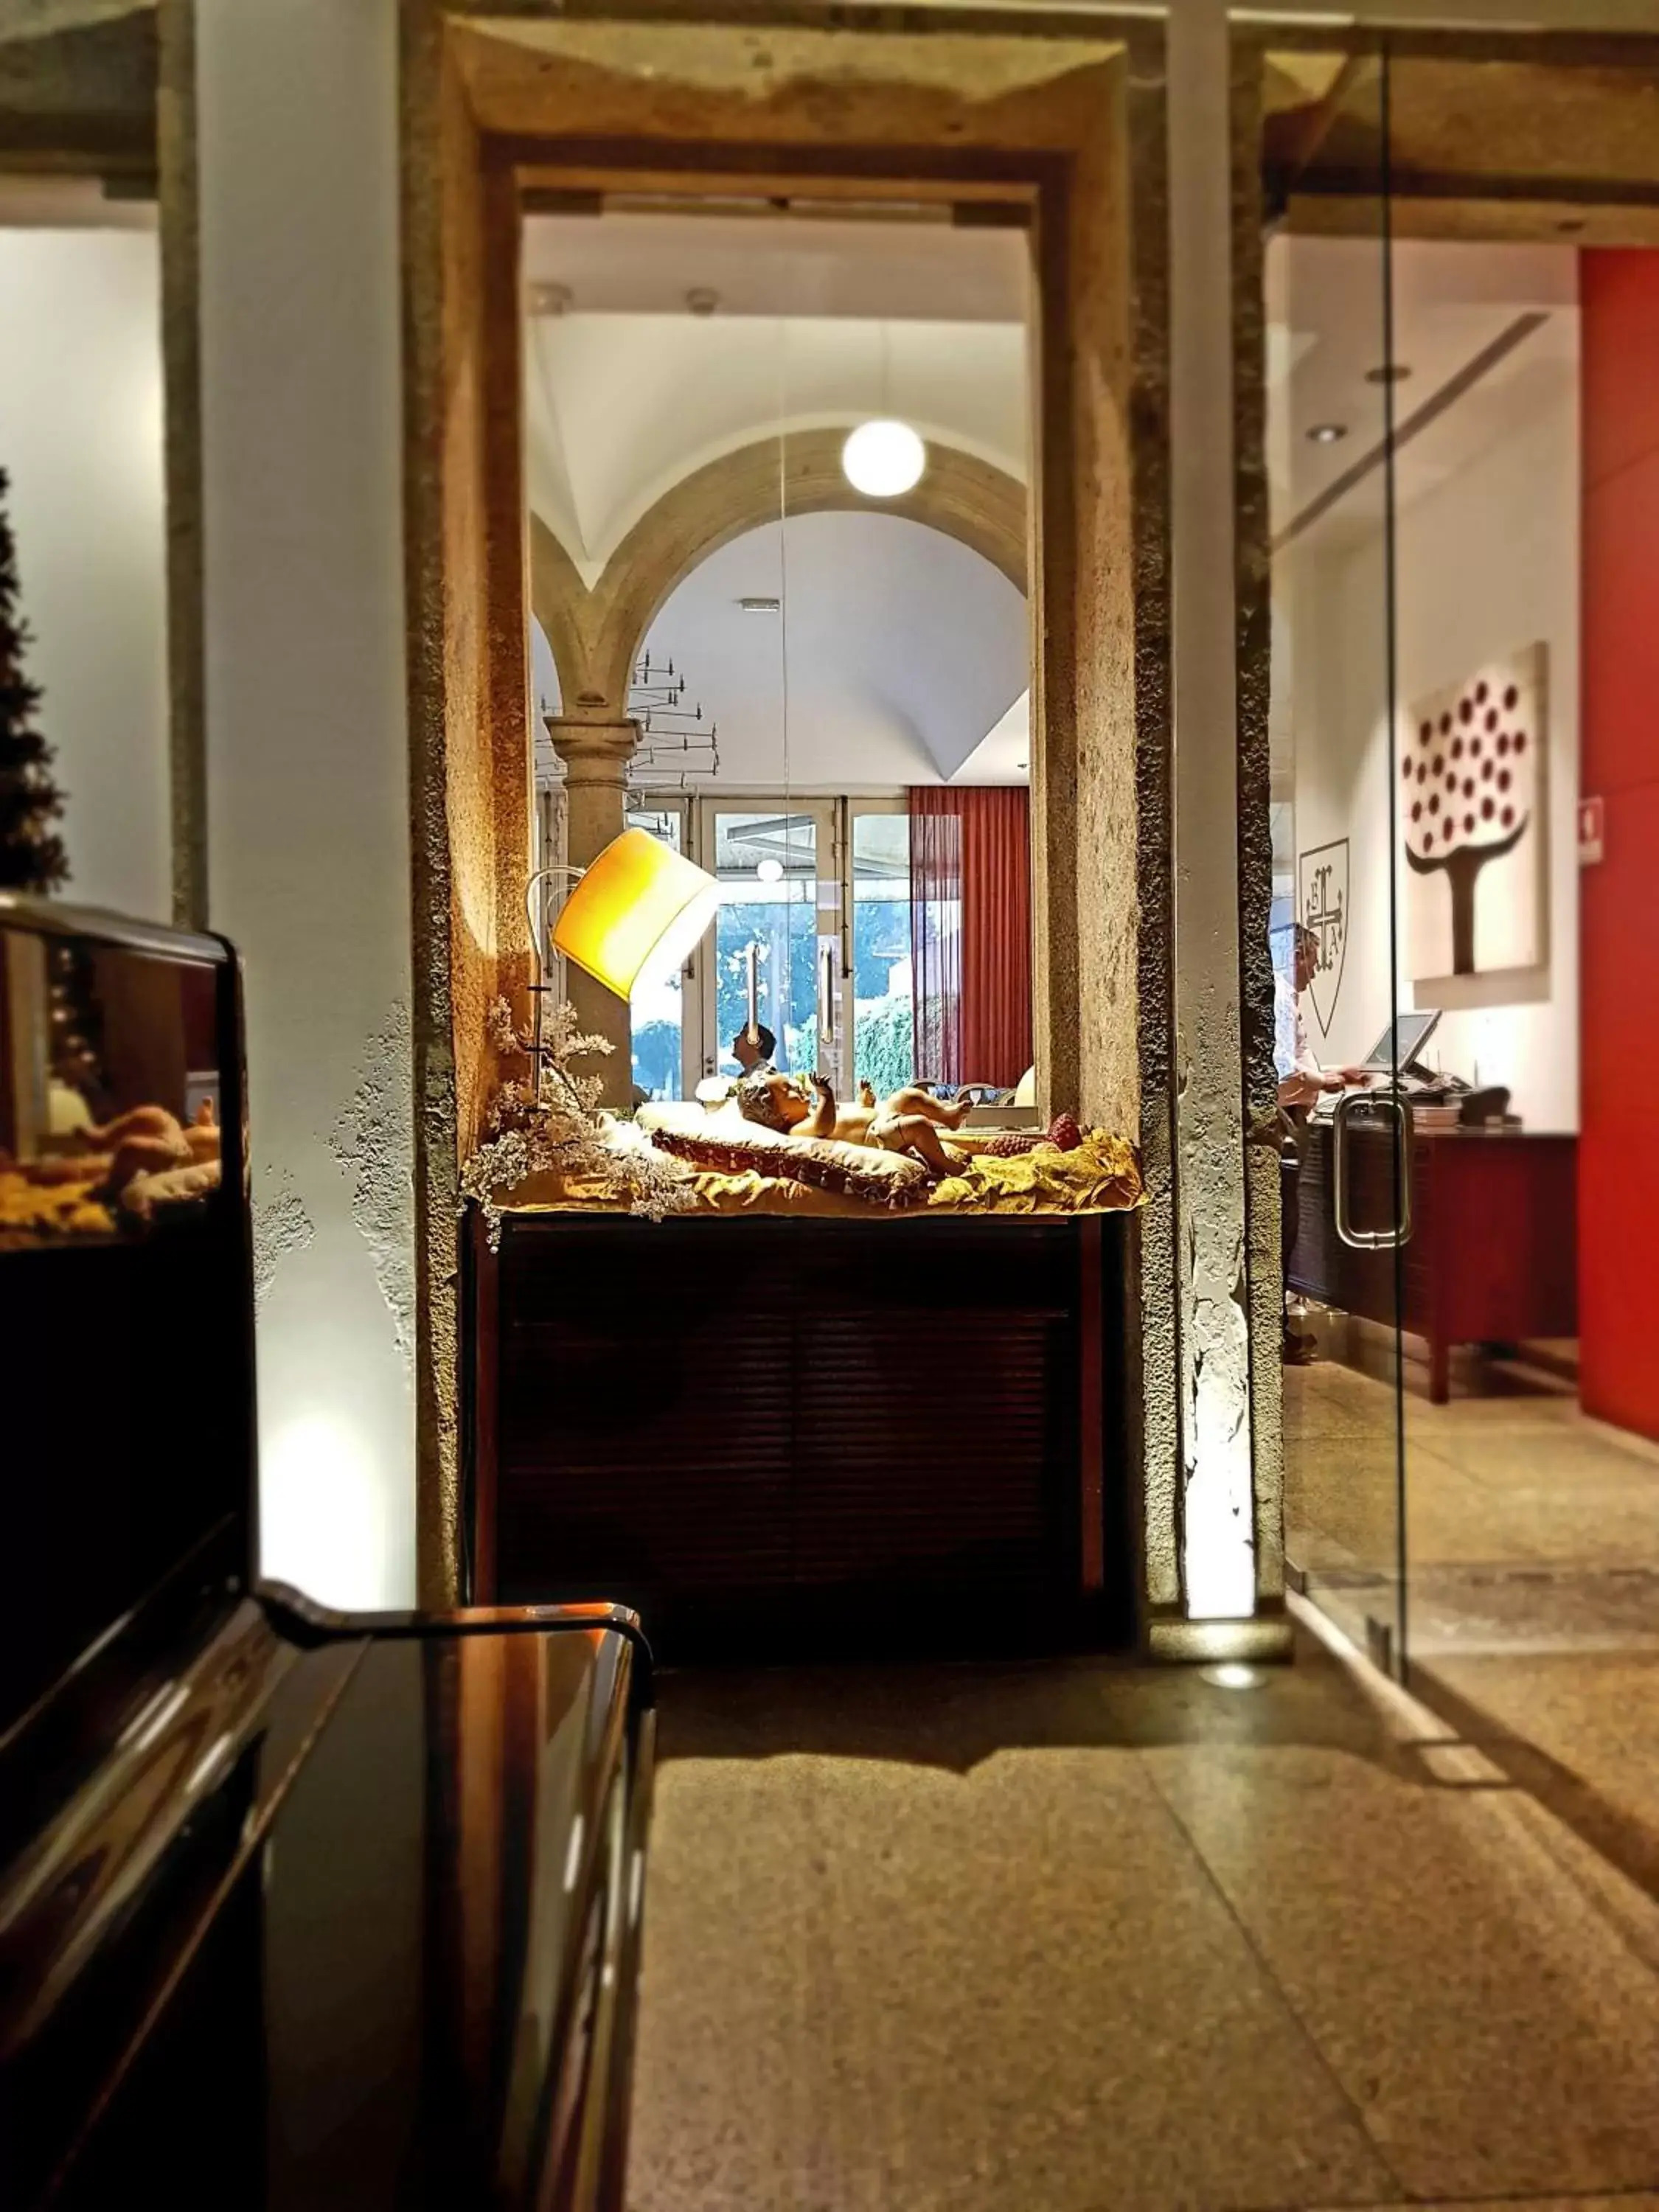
(595, 635)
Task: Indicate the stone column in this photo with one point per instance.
(596, 756)
(1218, 1504)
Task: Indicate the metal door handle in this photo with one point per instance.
(1371, 1240)
(826, 994)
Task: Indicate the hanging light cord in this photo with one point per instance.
(783, 985)
(783, 575)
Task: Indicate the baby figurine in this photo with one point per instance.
(909, 1121)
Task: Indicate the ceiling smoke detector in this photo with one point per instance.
(1328, 434)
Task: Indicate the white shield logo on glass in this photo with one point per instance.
(1322, 905)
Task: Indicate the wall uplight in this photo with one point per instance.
(883, 459)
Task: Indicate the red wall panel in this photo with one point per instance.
(1619, 914)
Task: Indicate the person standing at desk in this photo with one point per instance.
(1301, 1079)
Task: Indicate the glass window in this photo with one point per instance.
(657, 1008)
(884, 1050)
(768, 867)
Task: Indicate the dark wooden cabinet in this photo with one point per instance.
(854, 1434)
(1493, 1258)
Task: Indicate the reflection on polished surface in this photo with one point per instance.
(347, 1926)
(1527, 1526)
(297, 1910)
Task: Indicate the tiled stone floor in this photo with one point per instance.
(1533, 1578)
(1081, 1938)
(1528, 1528)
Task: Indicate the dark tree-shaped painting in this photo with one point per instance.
(1471, 766)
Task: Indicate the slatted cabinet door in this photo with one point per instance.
(836, 1433)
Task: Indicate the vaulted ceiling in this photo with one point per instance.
(658, 342)
(893, 653)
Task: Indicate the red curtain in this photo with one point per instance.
(971, 932)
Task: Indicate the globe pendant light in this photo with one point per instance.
(883, 459)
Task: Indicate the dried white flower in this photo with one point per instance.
(565, 1131)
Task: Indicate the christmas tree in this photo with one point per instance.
(32, 854)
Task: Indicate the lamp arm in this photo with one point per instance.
(535, 911)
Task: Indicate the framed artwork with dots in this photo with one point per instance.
(1471, 762)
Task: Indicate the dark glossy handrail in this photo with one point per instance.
(306, 1620)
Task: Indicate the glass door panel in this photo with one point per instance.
(659, 1008)
(883, 1044)
(1338, 787)
(776, 867)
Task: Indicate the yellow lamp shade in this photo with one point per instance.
(638, 910)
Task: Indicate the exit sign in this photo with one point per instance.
(1592, 828)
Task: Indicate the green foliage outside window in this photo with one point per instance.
(656, 1059)
(883, 1045)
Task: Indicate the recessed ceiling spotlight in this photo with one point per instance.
(755, 606)
(1328, 434)
(1388, 372)
(702, 300)
(883, 459)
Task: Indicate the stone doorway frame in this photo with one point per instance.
(1066, 116)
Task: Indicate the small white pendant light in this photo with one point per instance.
(883, 459)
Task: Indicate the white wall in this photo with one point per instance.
(307, 753)
(1486, 561)
(904, 647)
(80, 438)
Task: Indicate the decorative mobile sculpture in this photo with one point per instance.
(677, 748)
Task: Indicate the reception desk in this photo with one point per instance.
(1493, 1258)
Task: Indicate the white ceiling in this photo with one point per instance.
(907, 655)
(1003, 754)
(903, 649)
(912, 268)
(818, 325)
(1448, 302)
